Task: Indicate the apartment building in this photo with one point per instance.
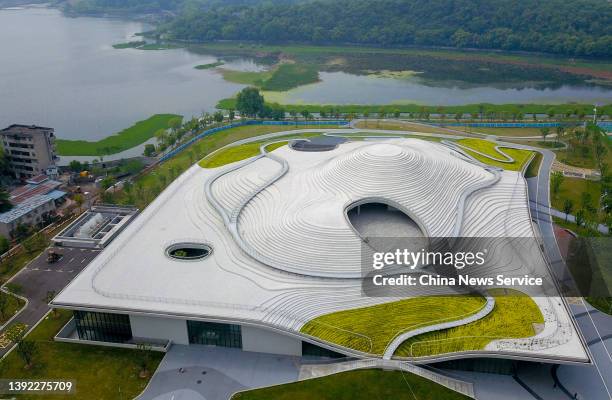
(30, 149)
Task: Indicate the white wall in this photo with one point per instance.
(159, 328)
(266, 341)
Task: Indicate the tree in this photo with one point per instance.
(218, 116)
(556, 180)
(305, 114)
(249, 102)
(79, 200)
(580, 215)
(48, 299)
(231, 114)
(458, 116)
(396, 113)
(107, 182)
(4, 302)
(586, 201)
(560, 133)
(145, 353)
(175, 123)
(5, 200)
(26, 349)
(149, 150)
(544, 132)
(5, 244)
(75, 166)
(568, 206)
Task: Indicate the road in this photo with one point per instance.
(39, 277)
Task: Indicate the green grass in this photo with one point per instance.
(255, 78)
(366, 384)
(581, 155)
(129, 45)
(603, 304)
(572, 188)
(151, 183)
(579, 230)
(247, 150)
(281, 78)
(534, 166)
(401, 126)
(14, 304)
(484, 146)
(209, 66)
(99, 372)
(137, 134)
(371, 329)
(518, 132)
(534, 59)
(416, 108)
(289, 76)
(142, 45)
(237, 153)
(513, 316)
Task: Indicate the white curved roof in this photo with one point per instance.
(291, 222)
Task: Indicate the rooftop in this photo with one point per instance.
(282, 249)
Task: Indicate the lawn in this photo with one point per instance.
(401, 126)
(255, 78)
(281, 78)
(513, 316)
(99, 372)
(137, 134)
(236, 153)
(581, 155)
(371, 329)
(365, 384)
(129, 45)
(209, 66)
(517, 132)
(289, 76)
(13, 305)
(603, 304)
(534, 166)
(572, 188)
(484, 146)
(373, 109)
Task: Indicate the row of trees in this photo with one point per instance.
(579, 27)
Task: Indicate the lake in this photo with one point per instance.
(63, 72)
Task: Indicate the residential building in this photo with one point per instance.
(32, 203)
(30, 149)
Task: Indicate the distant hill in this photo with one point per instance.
(573, 28)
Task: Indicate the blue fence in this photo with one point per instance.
(605, 125)
(199, 136)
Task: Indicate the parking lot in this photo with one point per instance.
(40, 277)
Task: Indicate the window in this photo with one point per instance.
(214, 334)
(103, 327)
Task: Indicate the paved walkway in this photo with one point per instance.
(215, 373)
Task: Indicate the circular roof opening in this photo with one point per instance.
(188, 251)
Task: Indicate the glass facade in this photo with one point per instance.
(214, 334)
(103, 327)
(309, 349)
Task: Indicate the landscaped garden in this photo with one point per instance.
(236, 153)
(98, 372)
(147, 186)
(137, 134)
(371, 329)
(520, 157)
(9, 305)
(513, 316)
(365, 384)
